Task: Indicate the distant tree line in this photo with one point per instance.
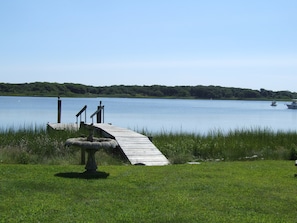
(155, 91)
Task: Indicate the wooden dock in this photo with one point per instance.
(63, 126)
(137, 147)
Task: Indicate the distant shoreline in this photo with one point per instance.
(46, 89)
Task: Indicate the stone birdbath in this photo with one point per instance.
(92, 145)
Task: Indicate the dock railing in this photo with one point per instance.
(99, 113)
(79, 114)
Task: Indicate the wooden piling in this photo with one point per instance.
(99, 114)
(59, 109)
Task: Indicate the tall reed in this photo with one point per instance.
(33, 145)
(37, 145)
(239, 144)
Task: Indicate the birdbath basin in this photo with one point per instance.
(91, 146)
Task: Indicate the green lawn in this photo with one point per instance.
(252, 191)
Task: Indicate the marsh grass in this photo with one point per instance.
(39, 146)
(240, 144)
(33, 146)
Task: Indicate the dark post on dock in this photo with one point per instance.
(59, 109)
(99, 114)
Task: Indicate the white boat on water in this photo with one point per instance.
(293, 105)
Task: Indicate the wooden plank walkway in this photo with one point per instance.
(137, 147)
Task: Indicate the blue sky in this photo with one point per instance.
(249, 44)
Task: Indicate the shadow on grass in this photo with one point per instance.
(85, 175)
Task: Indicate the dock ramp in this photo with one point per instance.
(137, 147)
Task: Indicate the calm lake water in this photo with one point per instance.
(153, 115)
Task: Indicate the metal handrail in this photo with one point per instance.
(96, 112)
(100, 108)
(80, 112)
